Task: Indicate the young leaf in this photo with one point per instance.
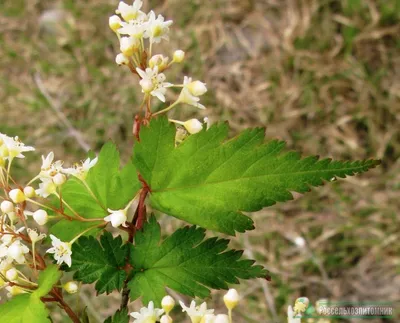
(109, 186)
(24, 308)
(185, 263)
(47, 279)
(120, 316)
(209, 180)
(100, 261)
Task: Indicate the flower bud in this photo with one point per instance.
(193, 126)
(158, 60)
(59, 179)
(7, 207)
(116, 218)
(166, 319)
(179, 56)
(221, 318)
(197, 88)
(121, 59)
(17, 196)
(208, 318)
(12, 274)
(14, 291)
(231, 299)
(167, 303)
(127, 45)
(147, 85)
(71, 287)
(2, 161)
(12, 216)
(29, 192)
(41, 217)
(114, 22)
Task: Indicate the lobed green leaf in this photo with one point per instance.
(101, 262)
(210, 181)
(184, 262)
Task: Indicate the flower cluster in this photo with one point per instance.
(137, 32)
(196, 313)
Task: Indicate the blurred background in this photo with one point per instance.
(324, 75)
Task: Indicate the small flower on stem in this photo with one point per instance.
(191, 92)
(71, 287)
(153, 83)
(147, 314)
(179, 56)
(157, 28)
(61, 250)
(167, 303)
(116, 218)
(7, 207)
(17, 251)
(81, 171)
(17, 196)
(196, 313)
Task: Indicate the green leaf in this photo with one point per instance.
(109, 186)
(209, 180)
(120, 316)
(184, 263)
(113, 188)
(24, 308)
(100, 261)
(47, 279)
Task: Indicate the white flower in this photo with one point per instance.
(147, 314)
(61, 250)
(196, 313)
(134, 28)
(157, 28)
(71, 287)
(129, 12)
(167, 303)
(49, 168)
(7, 206)
(13, 147)
(191, 91)
(231, 299)
(114, 22)
(81, 171)
(128, 45)
(179, 56)
(29, 192)
(17, 251)
(121, 59)
(17, 196)
(300, 242)
(116, 218)
(221, 318)
(46, 188)
(153, 82)
(35, 236)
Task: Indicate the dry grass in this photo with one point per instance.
(322, 75)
